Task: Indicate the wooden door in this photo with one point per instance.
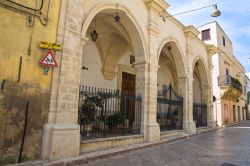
(226, 114)
(128, 83)
(128, 96)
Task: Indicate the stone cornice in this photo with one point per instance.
(156, 5)
(191, 31)
(211, 49)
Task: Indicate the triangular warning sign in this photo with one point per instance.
(48, 60)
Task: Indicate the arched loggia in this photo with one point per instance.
(110, 80)
(200, 93)
(170, 100)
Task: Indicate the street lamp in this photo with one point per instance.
(215, 12)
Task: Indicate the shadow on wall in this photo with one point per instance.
(13, 99)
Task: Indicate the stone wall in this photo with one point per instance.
(22, 79)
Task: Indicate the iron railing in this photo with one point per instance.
(200, 115)
(169, 110)
(108, 113)
(230, 81)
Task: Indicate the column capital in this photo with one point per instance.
(184, 78)
(156, 5)
(83, 40)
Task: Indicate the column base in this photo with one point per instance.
(153, 133)
(60, 141)
(211, 124)
(190, 127)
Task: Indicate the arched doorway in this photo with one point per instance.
(109, 104)
(169, 103)
(200, 94)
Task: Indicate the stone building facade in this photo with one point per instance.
(248, 96)
(150, 50)
(228, 75)
(110, 47)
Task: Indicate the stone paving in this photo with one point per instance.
(227, 147)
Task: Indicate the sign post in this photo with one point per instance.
(49, 59)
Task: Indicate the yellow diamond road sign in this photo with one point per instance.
(48, 45)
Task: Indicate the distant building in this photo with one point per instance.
(248, 96)
(228, 75)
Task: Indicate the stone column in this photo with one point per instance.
(183, 91)
(61, 135)
(207, 99)
(147, 81)
(189, 124)
(152, 129)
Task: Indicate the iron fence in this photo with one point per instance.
(200, 115)
(108, 113)
(169, 110)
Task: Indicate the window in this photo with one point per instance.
(224, 41)
(227, 76)
(205, 34)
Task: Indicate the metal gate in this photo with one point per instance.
(200, 114)
(169, 110)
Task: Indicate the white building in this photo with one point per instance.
(228, 77)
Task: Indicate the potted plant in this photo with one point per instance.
(116, 120)
(87, 112)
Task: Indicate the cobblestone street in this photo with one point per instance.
(229, 146)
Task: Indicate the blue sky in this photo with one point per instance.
(235, 21)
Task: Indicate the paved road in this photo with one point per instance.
(230, 146)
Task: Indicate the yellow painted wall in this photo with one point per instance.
(15, 37)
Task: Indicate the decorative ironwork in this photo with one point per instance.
(108, 113)
(169, 110)
(200, 115)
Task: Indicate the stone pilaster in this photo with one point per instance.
(147, 79)
(151, 127)
(61, 135)
(189, 124)
(207, 99)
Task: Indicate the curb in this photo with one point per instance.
(91, 156)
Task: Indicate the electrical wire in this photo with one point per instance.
(26, 7)
(42, 18)
(176, 14)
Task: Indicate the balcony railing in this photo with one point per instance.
(230, 81)
(108, 113)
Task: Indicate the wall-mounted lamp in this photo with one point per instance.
(215, 12)
(94, 34)
(132, 59)
(117, 17)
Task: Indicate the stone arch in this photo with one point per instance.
(201, 92)
(179, 60)
(177, 64)
(142, 53)
(202, 68)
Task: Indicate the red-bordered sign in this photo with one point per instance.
(48, 60)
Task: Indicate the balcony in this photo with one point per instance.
(231, 87)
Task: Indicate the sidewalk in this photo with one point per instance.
(91, 156)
